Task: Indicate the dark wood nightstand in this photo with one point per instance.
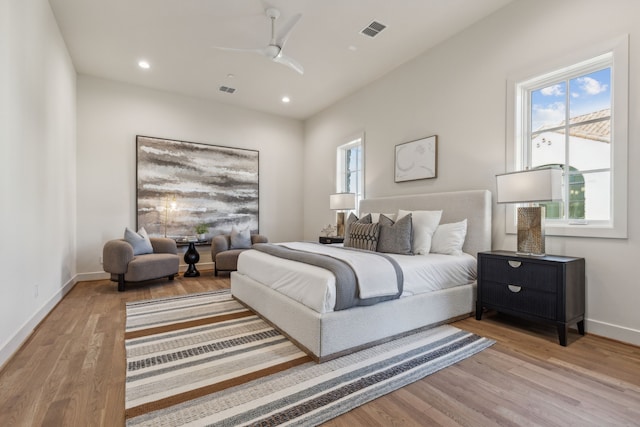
(330, 240)
(546, 289)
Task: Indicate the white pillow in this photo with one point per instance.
(140, 241)
(424, 225)
(449, 238)
(375, 217)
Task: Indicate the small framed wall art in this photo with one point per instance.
(417, 159)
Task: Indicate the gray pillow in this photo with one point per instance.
(240, 239)
(363, 236)
(140, 241)
(352, 219)
(395, 238)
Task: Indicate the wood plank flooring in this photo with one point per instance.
(71, 372)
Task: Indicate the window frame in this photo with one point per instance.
(355, 140)
(516, 133)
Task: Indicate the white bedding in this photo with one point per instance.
(315, 286)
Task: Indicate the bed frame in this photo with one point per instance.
(329, 335)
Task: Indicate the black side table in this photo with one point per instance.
(191, 257)
(330, 240)
(549, 289)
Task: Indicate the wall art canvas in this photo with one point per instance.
(417, 159)
(183, 184)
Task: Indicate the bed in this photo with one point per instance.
(326, 334)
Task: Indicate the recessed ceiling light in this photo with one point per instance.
(286, 99)
(143, 64)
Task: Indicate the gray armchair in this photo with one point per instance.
(118, 259)
(225, 258)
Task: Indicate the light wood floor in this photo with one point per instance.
(71, 372)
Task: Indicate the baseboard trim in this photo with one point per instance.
(96, 275)
(101, 275)
(614, 332)
(199, 266)
(24, 332)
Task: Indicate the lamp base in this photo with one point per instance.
(340, 232)
(531, 234)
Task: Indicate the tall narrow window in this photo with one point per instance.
(350, 168)
(571, 127)
(576, 118)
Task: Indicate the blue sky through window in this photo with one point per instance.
(587, 93)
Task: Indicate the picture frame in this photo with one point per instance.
(417, 159)
(180, 185)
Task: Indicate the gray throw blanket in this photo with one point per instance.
(347, 288)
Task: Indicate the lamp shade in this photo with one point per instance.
(342, 201)
(533, 185)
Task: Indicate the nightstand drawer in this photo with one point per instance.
(543, 277)
(519, 298)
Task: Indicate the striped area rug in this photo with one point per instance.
(204, 359)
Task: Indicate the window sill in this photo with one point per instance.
(581, 230)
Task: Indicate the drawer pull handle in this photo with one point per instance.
(515, 289)
(515, 264)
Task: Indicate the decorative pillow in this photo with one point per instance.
(140, 241)
(366, 219)
(395, 238)
(375, 217)
(424, 225)
(449, 238)
(363, 236)
(240, 239)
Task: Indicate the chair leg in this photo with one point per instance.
(120, 282)
(215, 271)
(171, 277)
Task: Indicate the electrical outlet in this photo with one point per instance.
(100, 259)
(35, 291)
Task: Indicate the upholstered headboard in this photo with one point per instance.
(474, 205)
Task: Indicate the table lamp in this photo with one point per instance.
(342, 202)
(530, 186)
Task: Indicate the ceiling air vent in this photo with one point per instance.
(227, 89)
(373, 29)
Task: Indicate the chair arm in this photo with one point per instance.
(219, 243)
(163, 245)
(258, 238)
(116, 256)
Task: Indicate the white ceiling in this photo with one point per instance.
(107, 38)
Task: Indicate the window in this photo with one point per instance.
(575, 117)
(350, 168)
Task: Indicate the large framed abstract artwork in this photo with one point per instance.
(417, 159)
(184, 184)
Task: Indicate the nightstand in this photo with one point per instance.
(330, 240)
(547, 289)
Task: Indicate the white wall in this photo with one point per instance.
(458, 92)
(37, 169)
(111, 114)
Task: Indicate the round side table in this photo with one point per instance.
(191, 257)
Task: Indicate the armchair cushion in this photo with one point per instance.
(151, 266)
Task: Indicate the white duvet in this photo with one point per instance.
(315, 286)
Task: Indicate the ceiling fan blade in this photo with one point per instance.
(289, 62)
(262, 51)
(284, 32)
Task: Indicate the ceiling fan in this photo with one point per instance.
(273, 50)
